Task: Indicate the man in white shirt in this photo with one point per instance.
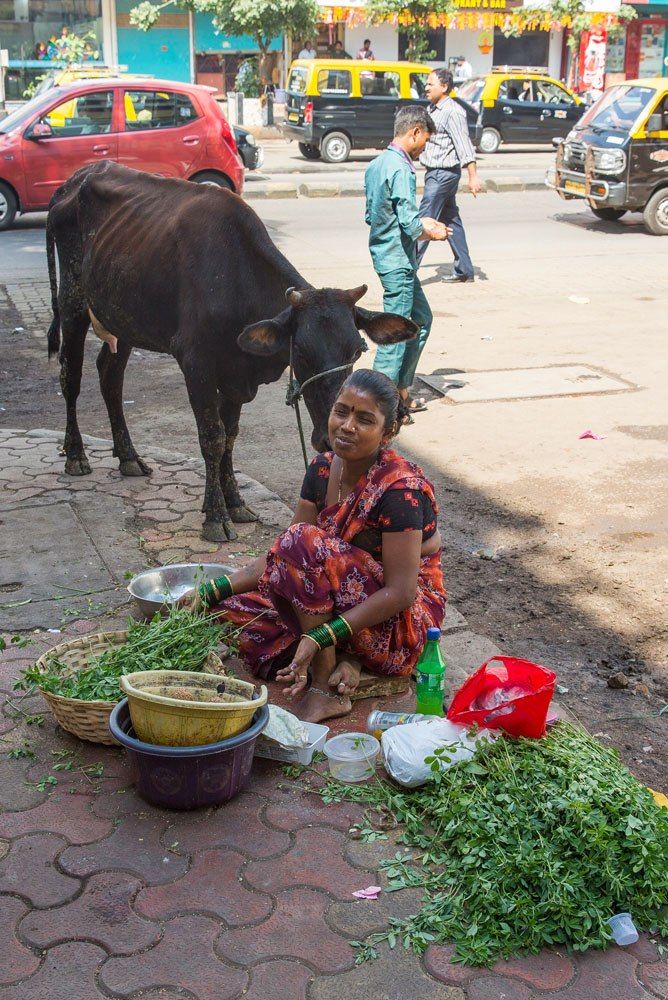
(463, 70)
(308, 52)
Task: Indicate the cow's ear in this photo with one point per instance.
(385, 328)
(268, 336)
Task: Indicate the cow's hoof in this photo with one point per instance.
(135, 467)
(77, 467)
(218, 531)
(242, 514)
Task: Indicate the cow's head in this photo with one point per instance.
(324, 325)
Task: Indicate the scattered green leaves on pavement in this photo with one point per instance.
(532, 843)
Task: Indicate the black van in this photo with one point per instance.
(335, 105)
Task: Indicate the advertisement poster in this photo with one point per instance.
(592, 62)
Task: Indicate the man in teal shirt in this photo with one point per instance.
(395, 225)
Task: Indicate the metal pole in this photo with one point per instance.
(191, 46)
(4, 62)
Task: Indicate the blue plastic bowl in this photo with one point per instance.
(188, 777)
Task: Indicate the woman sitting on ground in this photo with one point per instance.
(355, 581)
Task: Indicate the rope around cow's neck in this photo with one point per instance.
(295, 391)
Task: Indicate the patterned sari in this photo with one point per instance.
(316, 569)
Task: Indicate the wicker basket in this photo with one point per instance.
(89, 720)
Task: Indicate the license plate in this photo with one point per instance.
(293, 116)
(575, 186)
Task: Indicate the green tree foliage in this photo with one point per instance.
(263, 20)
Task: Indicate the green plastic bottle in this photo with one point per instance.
(430, 689)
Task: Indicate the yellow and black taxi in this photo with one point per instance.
(616, 158)
(335, 105)
(521, 105)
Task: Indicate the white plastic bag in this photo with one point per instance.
(404, 748)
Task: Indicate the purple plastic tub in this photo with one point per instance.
(188, 777)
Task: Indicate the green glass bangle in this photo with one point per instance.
(320, 635)
(205, 592)
(223, 585)
(341, 628)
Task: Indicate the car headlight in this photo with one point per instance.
(250, 139)
(610, 161)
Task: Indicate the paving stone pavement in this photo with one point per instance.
(102, 895)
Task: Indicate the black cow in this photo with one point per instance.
(190, 270)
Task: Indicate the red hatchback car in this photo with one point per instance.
(166, 128)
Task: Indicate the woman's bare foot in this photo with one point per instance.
(345, 677)
(317, 705)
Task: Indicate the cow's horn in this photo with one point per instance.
(294, 297)
(355, 294)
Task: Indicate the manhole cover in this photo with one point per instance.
(524, 383)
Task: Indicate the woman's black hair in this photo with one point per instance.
(385, 394)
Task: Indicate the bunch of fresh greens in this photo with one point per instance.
(531, 843)
(180, 641)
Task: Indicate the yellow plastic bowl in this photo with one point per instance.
(169, 708)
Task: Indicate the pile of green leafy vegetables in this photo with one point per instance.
(531, 843)
(180, 641)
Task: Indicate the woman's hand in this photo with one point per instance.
(296, 672)
(191, 600)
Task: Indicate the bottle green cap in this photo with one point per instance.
(433, 633)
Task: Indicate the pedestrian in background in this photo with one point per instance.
(463, 70)
(309, 51)
(395, 224)
(448, 150)
(365, 52)
(338, 52)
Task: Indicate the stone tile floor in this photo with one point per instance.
(103, 895)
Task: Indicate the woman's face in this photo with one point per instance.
(356, 425)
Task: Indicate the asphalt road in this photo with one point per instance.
(576, 528)
(282, 161)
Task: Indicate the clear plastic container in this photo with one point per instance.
(623, 929)
(352, 756)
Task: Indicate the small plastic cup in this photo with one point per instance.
(623, 929)
(352, 756)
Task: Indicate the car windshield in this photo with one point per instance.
(471, 90)
(618, 108)
(26, 111)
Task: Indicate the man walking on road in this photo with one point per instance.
(448, 150)
(395, 225)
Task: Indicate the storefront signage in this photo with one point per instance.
(482, 4)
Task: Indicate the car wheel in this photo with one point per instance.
(608, 214)
(308, 151)
(8, 206)
(656, 213)
(490, 140)
(335, 147)
(213, 179)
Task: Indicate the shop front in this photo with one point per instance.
(36, 32)
(475, 31)
(218, 57)
(647, 42)
(184, 46)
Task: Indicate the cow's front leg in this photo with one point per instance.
(203, 395)
(238, 510)
(111, 369)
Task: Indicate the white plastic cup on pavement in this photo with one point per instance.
(623, 929)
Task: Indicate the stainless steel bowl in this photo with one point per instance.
(155, 589)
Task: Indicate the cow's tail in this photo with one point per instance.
(53, 336)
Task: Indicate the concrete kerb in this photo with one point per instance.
(351, 189)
